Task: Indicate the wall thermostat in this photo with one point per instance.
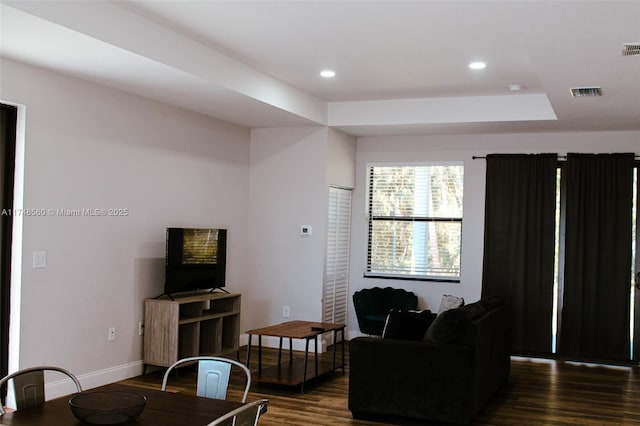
(305, 230)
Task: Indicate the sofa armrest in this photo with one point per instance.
(410, 379)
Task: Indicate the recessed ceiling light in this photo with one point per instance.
(477, 65)
(327, 73)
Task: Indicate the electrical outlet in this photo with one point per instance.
(112, 334)
(39, 259)
(286, 311)
(140, 328)
(305, 230)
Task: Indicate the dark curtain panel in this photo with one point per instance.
(595, 314)
(519, 244)
(8, 116)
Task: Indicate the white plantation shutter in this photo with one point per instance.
(336, 277)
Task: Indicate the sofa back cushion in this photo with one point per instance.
(407, 325)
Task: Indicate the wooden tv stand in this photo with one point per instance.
(190, 325)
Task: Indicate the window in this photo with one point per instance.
(415, 221)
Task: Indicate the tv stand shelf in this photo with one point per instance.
(190, 325)
(204, 317)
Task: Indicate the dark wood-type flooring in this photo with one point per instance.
(538, 392)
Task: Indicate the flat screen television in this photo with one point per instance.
(195, 259)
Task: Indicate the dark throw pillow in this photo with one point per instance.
(407, 325)
(474, 311)
(447, 326)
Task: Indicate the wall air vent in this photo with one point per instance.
(631, 49)
(578, 92)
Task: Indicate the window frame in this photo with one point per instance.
(370, 219)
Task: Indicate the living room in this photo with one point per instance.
(86, 144)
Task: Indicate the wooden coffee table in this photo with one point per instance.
(296, 371)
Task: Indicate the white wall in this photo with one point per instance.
(88, 146)
(457, 148)
(341, 167)
(287, 189)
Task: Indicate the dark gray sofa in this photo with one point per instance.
(447, 377)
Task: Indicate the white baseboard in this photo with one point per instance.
(94, 379)
(62, 387)
(352, 334)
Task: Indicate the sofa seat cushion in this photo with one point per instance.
(407, 325)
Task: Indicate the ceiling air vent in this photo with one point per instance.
(586, 91)
(631, 49)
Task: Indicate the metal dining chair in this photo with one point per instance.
(213, 375)
(28, 385)
(247, 415)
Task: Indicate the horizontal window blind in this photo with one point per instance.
(415, 221)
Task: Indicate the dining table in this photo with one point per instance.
(162, 408)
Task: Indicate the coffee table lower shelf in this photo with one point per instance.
(297, 372)
(290, 374)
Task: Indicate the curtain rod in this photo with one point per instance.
(560, 157)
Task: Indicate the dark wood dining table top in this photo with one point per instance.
(162, 408)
